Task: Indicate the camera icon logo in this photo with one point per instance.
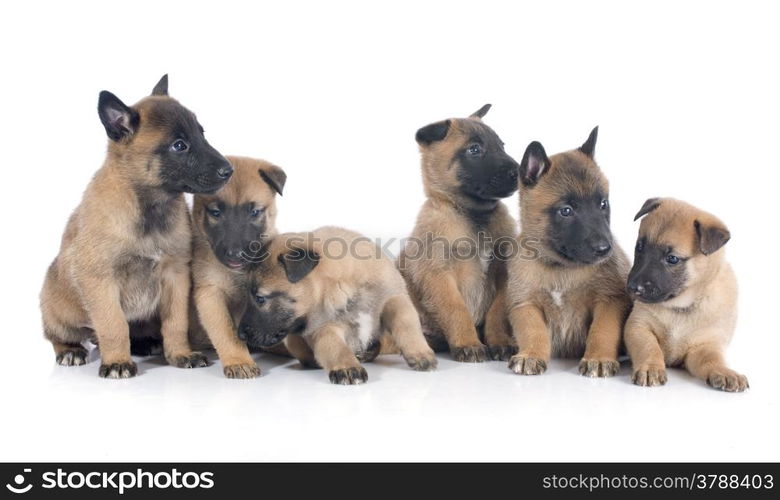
(18, 486)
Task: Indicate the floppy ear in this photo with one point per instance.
(119, 120)
(274, 176)
(650, 205)
(432, 133)
(712, 235)
(298, 263)
(162, 86)
(534, 164)
(589, 146)
(481, 111)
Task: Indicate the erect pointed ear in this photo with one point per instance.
(274, 176)
(712, 234)
(298, 263)
(432, 133)
(162, 86)
(589, 146)
(650, 205)
(534, 164)
(119, 120)
(481, 111)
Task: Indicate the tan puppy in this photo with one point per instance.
(686, 296)
(330, 295)
(449, 263)
(231, 228)
(568, 298)
(126, 251)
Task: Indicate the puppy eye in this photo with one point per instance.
(214, 212)
(566, 211)
(259, 300)
(474, 149)
(255, 212)
(180, 146)
(640, 245)
(672, 259)
(604, 204)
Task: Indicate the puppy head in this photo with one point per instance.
(565, 204)
(240, 218)
(464, 159)
(160, 143)
(677, 245)
(282, 291)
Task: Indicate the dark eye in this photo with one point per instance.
(474, 149)
(180, 146)
(255, 212)
(604, 204)
(640, 245)
(214, 212)
(672, 259)
(259, 300)
(566, 211)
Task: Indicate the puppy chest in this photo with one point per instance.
(139, 280)
(568, 321)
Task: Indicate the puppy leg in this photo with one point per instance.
(446, 306)
(498, 331)
(335, 356)
(706, 363)
(298, 348)
(215, 317)
(603, 341)
(646, 355)
(533, 340)
(400, 319)
(69, 354)
(174, 317)
(61, 315)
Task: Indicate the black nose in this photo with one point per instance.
(602, 248)
(233, 253)
(639, 289)
(225, 172)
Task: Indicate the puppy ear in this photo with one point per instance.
(481, 112)
(274, 176)
(534, 164)
(712, 235)
(589, 146)
(298, 263)
(650, 205)
(119, 120)
(432, 133)
(162, 86)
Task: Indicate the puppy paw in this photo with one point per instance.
(118, 370)
(72, 356)
(649, 376)
(348, 376)
(470, 354)
(242, 370)
(524, 365)
(424, 362)
(727, 380)
(192, 360)
(599, 367)
(501, 352)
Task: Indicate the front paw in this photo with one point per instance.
(525, 365)
(470, 354)
(72, 356)
(192, 360)
(649, 376)
(118, 370)
(348, 376)
(599, 367)
(242, 370)
(424, 362)
(727, 380)
(501, 352)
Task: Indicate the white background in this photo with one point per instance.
(686, 94)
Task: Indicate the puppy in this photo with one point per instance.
(126, 250)
(330, 295)
(449, 263)
(231, 228)
(686, 296)
(568, 299)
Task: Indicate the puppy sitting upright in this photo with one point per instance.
(231, 228)
(330, 294)
(569, 301)
(125, 253)
(449, 263)
(686, 296)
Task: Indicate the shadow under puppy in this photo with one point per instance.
(231, 229)
(686, 296)
(126, 250)
(568, 299)
(331, 294)
(459, 291)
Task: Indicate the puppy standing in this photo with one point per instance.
(569, 301)
(330, 295)
(455, 286)
(686, 296)
(231, 229)
(125, 253)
